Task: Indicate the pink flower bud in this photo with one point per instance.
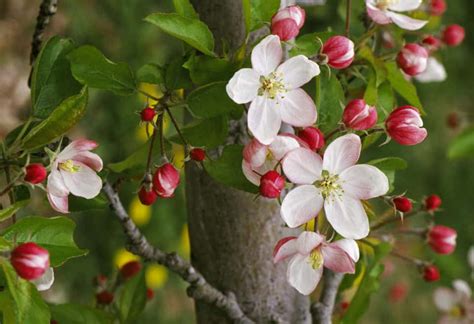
(287, 22)
(437, 7)
(340, 52)
(35, 173)
(255, 153)
(431, 273)
(453, 35)
(271, 184)
(197, 154)
(148, 114)
(104, 297)
(165, 180)
(146, 197)
(30, 260)
(313, 137)
(412, 59)
(431, 43)
(403, 204)
(404, 125)
(442, 239)
(130, 269)
(359, 116)
(432, 203)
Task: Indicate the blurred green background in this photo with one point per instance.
(117, 28)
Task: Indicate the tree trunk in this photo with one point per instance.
(233, 234)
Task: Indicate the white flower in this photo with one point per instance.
(335, 183)
(384, 12)
(274, 90)
(455, 304)
(45, 281)
(434, 72)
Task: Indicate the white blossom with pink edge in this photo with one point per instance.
(384, 12)
(73, 171)
(455, 304)
(434, 72)
(334, 182)
(309, 253)
(273, 90)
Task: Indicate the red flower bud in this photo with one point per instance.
(313, 137)
(165, 180)
(404, 125)
(148, 114)
(271, 184)
(287, 22)
(437, 7)
(35, 173)
(431, 273)
(150, 294)
(30, 260)
(345, 305)
(453, 120)
(453, 35)
(431, 43)
(432, 203)
(442, 239)
(146, 197)
(104, 298)
(359, 116)
(130, 269)
(197, 154)
(398, 292)
(412, 59)
(403, 204)
(340, 52)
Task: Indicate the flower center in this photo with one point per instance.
(316, 259)
(271, 85)
(384, 4)
(328, 184)
(69, 166)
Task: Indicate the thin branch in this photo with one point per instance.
(348, 16)
(47, 9)
(322, 311)
(199, 288)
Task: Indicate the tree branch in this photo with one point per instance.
(199, 288)
(47, 9)
(322, 310)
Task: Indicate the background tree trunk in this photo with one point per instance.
(232, 234)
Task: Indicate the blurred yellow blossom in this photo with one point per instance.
(122, 256)
(139, 213)
(184, 245)
(156, 276)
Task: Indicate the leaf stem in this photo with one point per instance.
(178, 130)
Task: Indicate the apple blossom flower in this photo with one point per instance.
(412, 59)
(35, 173)
(359, 116)
(313, 137)
(73, 171)
(165, 180)
(309, 253)
(335, 183)
(384, 12)
(455, 303)
(442, 239)
(339, 51)
(271, 184)
(287, 22)
(405, 126)
(453, 35)
(434, 72)
(274, 90)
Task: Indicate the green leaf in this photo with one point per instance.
(205, 69)
(208, 133)
(90, 67)
(259, 12)
(331, 102)
(151, 73)
(402, 86)
(185, 8)
(5, 245)
(132, 298)
(462, 145)
(385, 100)
(228, 169)
(211, 100)
(370, 95)
(192, 31)
(79, 204)
(51, 80)
(177, 77)
(29, 306)
(7, 307)
(308, 44)
(9, 211)
(378, 66)
(62, 119)
(54, 234)
(79, 314)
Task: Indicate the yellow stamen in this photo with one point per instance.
(316, 259)
(69, 166)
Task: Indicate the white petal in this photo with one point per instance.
(251, 176)
(347, 216)
(90, 159)
(377, 15)
(267, 55)
(337, 259)
(462, 289)
(75, 147)
(84, 182)
(298, 108)
(285, 248)
(364, 181)
(470, 257)
(55, 184)
(45, 281)
(445, 299)
(302, 276)
(243, 87)
(404, 5)
(301, 205)
(59, 203)
(434, 72)
(302, 166)
(297, 71)
(406, 22)
(264, 119)
(342, 153)
(308, 241)
(350, 247)
(282, 145)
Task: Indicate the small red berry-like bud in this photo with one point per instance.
(453, 120)
(438, 7)
(431, 273)
(453, 35)
(130, 269)
(398, 292)
(313, 137)
(359, 116)
(150, 294)
(345, 305)
(404, 125)
(148, 114)
(287, 22)
(442, 239)
(165, 180)
(104, 297)
(53, 322)
(271, 184)
(431, 43)
(340, 52)
(100, 280)
(197, 154)
(35, 173)
(403, 204)
(30, 260)
(146, 197)
(432, 203)
(413, 59)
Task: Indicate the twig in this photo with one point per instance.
(348, 16)
(199, 288)
(47, 9)
(322, 310)
(390, 218)
(178, 130)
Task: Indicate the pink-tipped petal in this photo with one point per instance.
(364, 181)
(342, 153)
(285, 248)
(243, 86)
(337, 259)
(56, 185)
(302, 276)
(298, 108)
(308, 241)
(350, 247)
(301, 205)
(75, 147)
(282, 145)
(377, 15)
(255, 153)
(404, 5)
(302, 166)
(264, 119)
(267, 55)
(297, 71)
(248, 172)
(347, 216)
(84, 182)
(406, 22)
(90, 159)
(58, 203)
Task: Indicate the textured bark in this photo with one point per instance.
(233, 234)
